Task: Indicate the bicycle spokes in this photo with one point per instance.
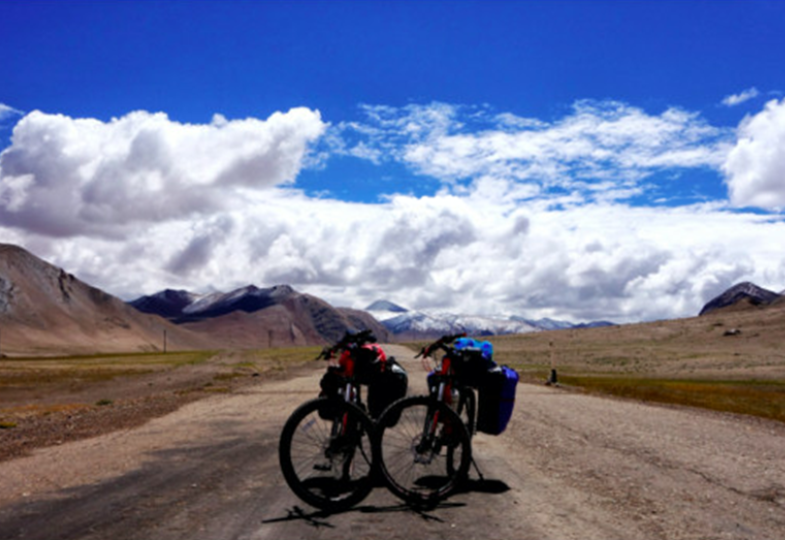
(424, 453)
(326, 454)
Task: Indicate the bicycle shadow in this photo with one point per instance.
(319, 518)
(484, 485)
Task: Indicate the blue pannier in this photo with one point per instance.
(496, 400)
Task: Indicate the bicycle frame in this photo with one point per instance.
(449, 385)
(326, 446)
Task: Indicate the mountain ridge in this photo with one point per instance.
(741, 296)
(417, 324)
(45, 310)
(260, 317)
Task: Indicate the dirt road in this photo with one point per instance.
(569, 466)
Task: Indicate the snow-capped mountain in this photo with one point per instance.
(383, 310)
(184, 306)
(545, 323)
(450, 323)
(552, 324)
(411, 324)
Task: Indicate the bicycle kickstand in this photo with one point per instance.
(476, 468)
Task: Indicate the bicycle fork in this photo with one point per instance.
(429, 444)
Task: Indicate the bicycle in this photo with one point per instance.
(326, 446)
(424, 442)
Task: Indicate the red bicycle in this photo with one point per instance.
(326, 450)
(424, 442)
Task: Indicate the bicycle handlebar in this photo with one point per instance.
(347, 341)
(440, 343)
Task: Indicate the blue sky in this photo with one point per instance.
(578, 160)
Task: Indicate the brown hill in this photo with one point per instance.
(741, 297)
(251, 317)
(45, 310)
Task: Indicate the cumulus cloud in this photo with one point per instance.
(755, 167)
(737, 99)
(143, 203)
(63, 176)
(581, 262)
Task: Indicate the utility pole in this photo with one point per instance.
(553, 379)
(164, 340)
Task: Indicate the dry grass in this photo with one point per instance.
(41, 373)
(42, 386)
(765, 399)
(696, 362)
(49, 400)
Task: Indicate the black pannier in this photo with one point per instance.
(471, 366)
(331, 384)
(387, 382)
(386, 386)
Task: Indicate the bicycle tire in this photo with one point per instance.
(414, 464)
(326, 453)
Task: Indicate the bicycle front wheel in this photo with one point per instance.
(424, 450)
(326, 453)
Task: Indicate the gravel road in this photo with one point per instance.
(569, 466)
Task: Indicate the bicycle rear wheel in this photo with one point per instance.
(424, 450)
(326, 453)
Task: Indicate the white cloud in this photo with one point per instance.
(201, 206)
(755, 167)
(737, 99)
(599, 142)
(63, 176)
(477, 253)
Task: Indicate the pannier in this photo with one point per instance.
(388, 385)
(496, 400)
(387, 381)
(369, 359)
(472, 360)
(331, 384)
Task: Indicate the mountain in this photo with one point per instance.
(594, 324)
(418, 325)
(254, 317)
(385, 306)
(183, 306)
(544, 324)
(741, 296)
(45, 310)
(405, 324)
(168, 304)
